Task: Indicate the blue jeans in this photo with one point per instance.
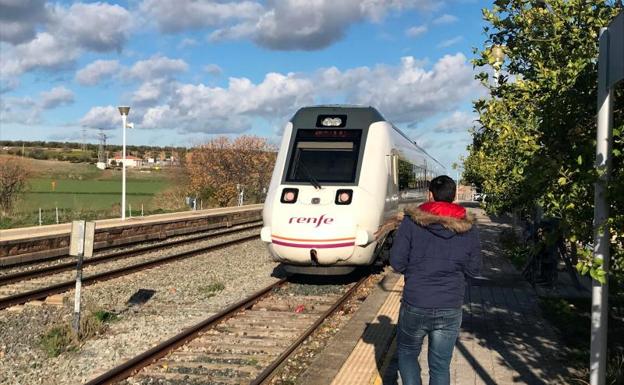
(442, 328)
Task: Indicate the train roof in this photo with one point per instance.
(358, 116)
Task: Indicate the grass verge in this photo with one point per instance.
(572, 317)
(62, 338)
(212, 289)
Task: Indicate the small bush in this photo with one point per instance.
(513, 249)
(57, 340)
(212, 289)
(62, 338)
(105, 316)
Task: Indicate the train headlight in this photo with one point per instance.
(344, 197)
(289, 195)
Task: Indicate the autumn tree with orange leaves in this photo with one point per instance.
(216, 167)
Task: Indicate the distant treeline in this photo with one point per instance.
(72, 151)
(88, 146)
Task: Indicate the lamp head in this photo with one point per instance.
(498, 53)
(124, 110)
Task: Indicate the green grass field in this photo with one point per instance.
(83, 188)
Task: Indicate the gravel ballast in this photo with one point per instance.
(185, 292)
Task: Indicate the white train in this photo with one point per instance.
(341, 171)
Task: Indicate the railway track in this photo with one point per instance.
(130, 245)
(29, 290)
(245, 343)
(60, 266)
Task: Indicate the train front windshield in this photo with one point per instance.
(329, 156)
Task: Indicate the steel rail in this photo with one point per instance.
(129, 244)
(268, 373)
(128, 368)
(29, 274)
(21, 298)
(148, 357)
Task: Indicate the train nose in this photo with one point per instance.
(314, 250)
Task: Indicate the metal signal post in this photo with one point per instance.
(610, 72)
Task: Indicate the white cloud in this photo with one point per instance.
(445, 19)
(187, 42)
(213, 69)
(416, 31)
(457, 122)
(19, 19)
(55, 97)
(449, 42)
(106, 118)
(19, 110)
(94, 72)
(410, 93)
(45, 51)
(276, 24)
(96, 27)
(69, 32)
(150, 92)
(180, 15)
(218, 110)
(307, 25)
(156, 67)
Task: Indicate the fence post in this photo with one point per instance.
(57, 220)
(130, 210)
(141, 209)
(39, 216)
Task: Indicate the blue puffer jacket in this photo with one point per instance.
(435, 253)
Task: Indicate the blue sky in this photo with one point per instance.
(194, 69)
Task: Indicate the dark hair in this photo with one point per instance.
(443, 188)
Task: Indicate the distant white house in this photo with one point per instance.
(131, 161)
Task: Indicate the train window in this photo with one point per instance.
(407, 176)
(325, 156)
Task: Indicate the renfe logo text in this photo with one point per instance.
(318, 221)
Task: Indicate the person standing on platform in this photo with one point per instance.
(435, 247)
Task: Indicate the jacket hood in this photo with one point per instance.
(439, 224)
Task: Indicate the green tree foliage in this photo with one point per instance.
(536, 140)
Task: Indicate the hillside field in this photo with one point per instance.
(84, 187)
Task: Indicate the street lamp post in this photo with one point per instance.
(498, 53)
(123, 110)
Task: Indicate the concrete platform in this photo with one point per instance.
(503, 340)
(32, 243)
(65, 228)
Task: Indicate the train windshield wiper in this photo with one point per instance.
(311, 179)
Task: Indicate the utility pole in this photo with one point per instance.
(102, 146)
(610, 72)
(84, 145)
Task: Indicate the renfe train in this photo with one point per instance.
(340, 173)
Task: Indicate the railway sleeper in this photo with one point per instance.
(156, 378)
(258, 332)
(216, 358)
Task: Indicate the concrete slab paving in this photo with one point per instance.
(504, 339)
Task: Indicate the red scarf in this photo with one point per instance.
(444, 209)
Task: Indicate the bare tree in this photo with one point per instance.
(13, 176)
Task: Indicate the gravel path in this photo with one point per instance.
(183, 296)
(8, 270)
(89, 270)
